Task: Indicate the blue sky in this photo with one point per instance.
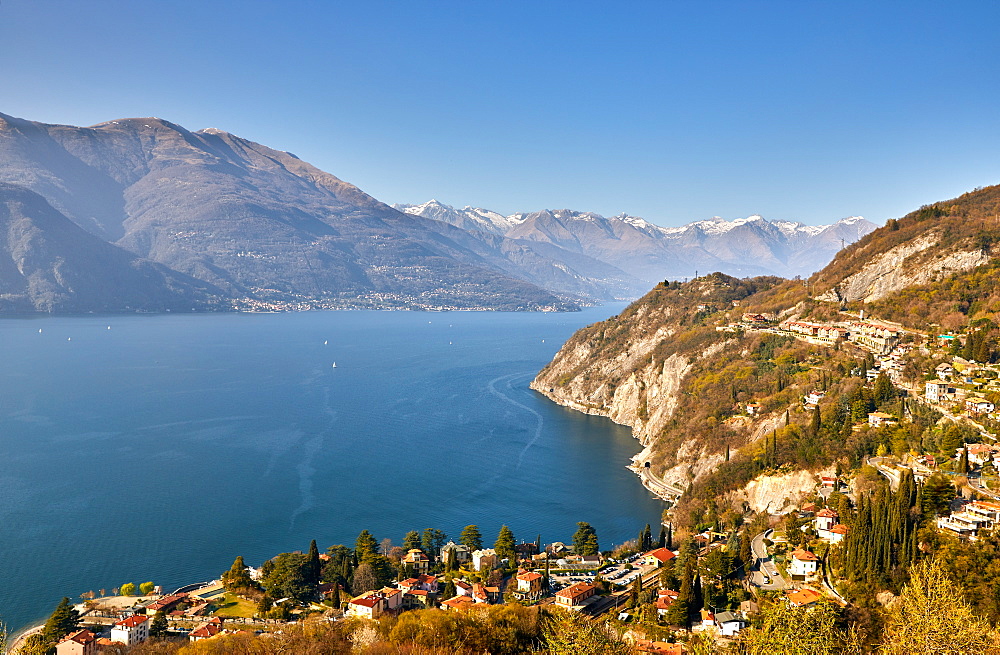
(674, 111)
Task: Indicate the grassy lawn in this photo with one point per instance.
(230, 605)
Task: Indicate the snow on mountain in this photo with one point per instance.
(466, 218)
(742, 246)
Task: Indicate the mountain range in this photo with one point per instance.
(143, 214)
(741, 247)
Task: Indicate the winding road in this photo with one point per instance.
(764, 568)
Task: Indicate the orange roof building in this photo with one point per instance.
(803, 597)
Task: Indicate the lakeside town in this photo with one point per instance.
(665, 594)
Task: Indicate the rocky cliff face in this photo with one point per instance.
(630, 368)
(908, 264)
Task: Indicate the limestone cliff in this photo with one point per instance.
(907, 264)
(631, 367)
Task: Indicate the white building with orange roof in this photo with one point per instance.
(529, 583)
(825, 519)
(802, 597)
(207, 631)
(575, 595)
(131, 630)
(803, 564)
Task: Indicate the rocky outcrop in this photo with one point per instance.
(903, 266)
(775, 494)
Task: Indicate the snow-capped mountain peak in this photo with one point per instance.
(756, 245)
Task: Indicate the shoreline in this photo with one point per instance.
(660, 489)
(18, 641)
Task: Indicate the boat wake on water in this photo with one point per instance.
(507, 381)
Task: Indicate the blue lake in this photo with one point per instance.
(165, 446)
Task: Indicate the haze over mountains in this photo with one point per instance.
(143, 214)
(742, 247)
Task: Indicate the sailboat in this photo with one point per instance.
(326, 342)
(334, 365)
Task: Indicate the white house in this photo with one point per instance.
(131, 630)
(804, 564)
(825, 520)
(878, 419)
(729, 623)
(936, 391)
(484, 560)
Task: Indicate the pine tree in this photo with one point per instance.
(63, 620)
(158, 626)
(471, 537)
(745, 551)
(504, 544)
(411, 540)
(365, 545)
(585, 540)
(237, 577)
(679, 610)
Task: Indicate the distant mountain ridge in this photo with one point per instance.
(233, 224)
(270, 231)
(744, 246)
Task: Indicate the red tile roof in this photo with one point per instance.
(803, 597)
(458, 602)
(579, 589)
(81, 637)
(366, 601)
(828, 513)
(662, 554)
(132, 621)
(207, 630)
(804, 556)
(528, 576)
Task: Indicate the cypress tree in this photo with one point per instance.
(314, 566)
(814, 424)
(677, 613)
(662, 541)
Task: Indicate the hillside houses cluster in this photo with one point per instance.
(878, 338)
(129, 631)
(974, 517)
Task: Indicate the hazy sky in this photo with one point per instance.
(674, 111)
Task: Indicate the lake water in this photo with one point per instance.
(165, 446)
